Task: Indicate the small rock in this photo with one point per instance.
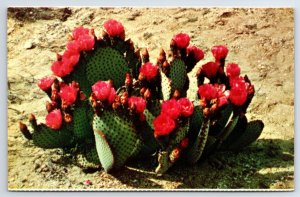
(193, 19)
(147, 35)
(29, 45)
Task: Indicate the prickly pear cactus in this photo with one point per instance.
(109, 104)
(120, 134)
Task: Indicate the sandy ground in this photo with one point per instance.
(261, 41)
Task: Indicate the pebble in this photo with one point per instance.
(29, 45)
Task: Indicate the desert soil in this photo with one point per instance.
(261, 41)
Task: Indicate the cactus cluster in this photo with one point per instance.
(108, 103)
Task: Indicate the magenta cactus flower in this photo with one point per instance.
(182, 40)
(54, 119)
(114, 29)
(219, 52)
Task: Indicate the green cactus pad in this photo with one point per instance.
(133, 63)
(120, 134)
(236, 133)
(149, 118)
(165, 87)
(177, 136)
(178, 74)
(79, 75)
(92, 156)
(195, 122)
(89, 158)
(83, 115)
(227, 131)
(104, 151)
(252, 132)
(164, 162)
(146, 132)
(222, 121)
(105, 64)
(46, 137)
(194, 153)
(209, 146)
(154, 107)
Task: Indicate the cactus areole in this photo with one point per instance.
(109, 104)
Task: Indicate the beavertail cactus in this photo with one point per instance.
(108, 103)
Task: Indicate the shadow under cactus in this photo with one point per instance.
(257, 166)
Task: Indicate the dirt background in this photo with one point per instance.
(261, 41)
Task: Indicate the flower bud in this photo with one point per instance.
(128, 80)
(147, 94)
(184, 143)
(175, 154)
(25, 131)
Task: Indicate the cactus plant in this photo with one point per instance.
(109, 104)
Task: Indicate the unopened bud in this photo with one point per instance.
(68, 118)
(128, 80)
(82, 96)
(141, 77)
(143, 90)
(176, 94)
(32, 121)
(142, 117)
(58, 57)
(25, 131)
(145, 56)
(175, 154)
(49, 107)
(124, 98)
(147, 94)
(206, 112)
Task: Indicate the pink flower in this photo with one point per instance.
(182, 40)
(187, 107)
(207, 92)
(219, 52)
(114, 28)
(149, 70)
(104, 91)
(86, 42)
(70, 57)
(222, 95)
(137, 103)
(210, 69)
(233, 70)
(197, 53)
(80, 31)
(84, 39)
(68, 94)
(237, 81)
(54, 119)
(73, 46)
(45, 83)
(163, 125)
(171, 108)
(238, 92)
(61, 69)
